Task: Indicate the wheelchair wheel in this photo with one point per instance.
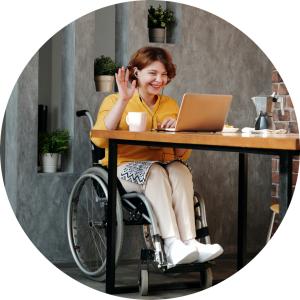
(144, 282)
(206, 278)
(87, 222)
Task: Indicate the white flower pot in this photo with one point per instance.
(49, 162)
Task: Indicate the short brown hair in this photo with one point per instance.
(146, 56)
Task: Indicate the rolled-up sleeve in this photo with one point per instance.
(105, 108)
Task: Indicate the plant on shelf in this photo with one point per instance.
(51, 145)
(158, 20)
(104, 71)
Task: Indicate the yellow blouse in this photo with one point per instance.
(164, 107)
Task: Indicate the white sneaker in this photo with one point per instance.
(206, 252)
(180, 253)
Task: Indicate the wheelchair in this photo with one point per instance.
(87, 222)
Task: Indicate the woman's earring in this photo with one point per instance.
(135, 74)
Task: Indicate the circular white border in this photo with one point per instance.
(26, 25)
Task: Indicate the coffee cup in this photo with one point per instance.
(137, 121)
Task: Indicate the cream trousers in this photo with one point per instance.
(170, 192)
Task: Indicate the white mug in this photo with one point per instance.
(137, 121)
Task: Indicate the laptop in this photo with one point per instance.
(202, 112)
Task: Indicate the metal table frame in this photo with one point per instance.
(285, 190)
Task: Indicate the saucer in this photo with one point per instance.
(230, 130)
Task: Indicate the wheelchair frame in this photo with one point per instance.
(140, 213)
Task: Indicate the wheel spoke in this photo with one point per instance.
(87, 224)
(96, 245)
(100, 236)
(87, 204)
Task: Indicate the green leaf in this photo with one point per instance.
(54, 142)
(159, 17)
(104, 65)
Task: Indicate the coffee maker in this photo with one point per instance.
(264, 109)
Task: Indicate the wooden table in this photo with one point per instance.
(283, 145)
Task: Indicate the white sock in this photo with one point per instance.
(169, 241)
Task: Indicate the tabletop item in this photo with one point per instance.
(250, 130)
(230, 129)
(261, 121)
(137, 121)
(202, 112)
(264, 110)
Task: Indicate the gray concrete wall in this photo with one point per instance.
(39, 200)
(105, 20)
(211, 57)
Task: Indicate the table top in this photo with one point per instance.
(255, 141)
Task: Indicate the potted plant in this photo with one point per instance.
(104, 71)
(158, 20)
(51, 145)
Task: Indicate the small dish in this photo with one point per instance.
(230, 130)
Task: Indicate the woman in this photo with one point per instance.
(159, 173)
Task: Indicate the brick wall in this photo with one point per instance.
(287, 121)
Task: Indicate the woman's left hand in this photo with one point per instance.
(168, 123)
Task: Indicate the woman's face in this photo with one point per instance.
(153, 78)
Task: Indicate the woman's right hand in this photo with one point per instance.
(126, 90)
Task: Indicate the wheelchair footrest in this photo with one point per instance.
(185, 268)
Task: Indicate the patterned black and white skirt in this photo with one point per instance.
(137, 171)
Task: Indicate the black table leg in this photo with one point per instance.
(242, 211)
(285, 182)
(111, 218)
